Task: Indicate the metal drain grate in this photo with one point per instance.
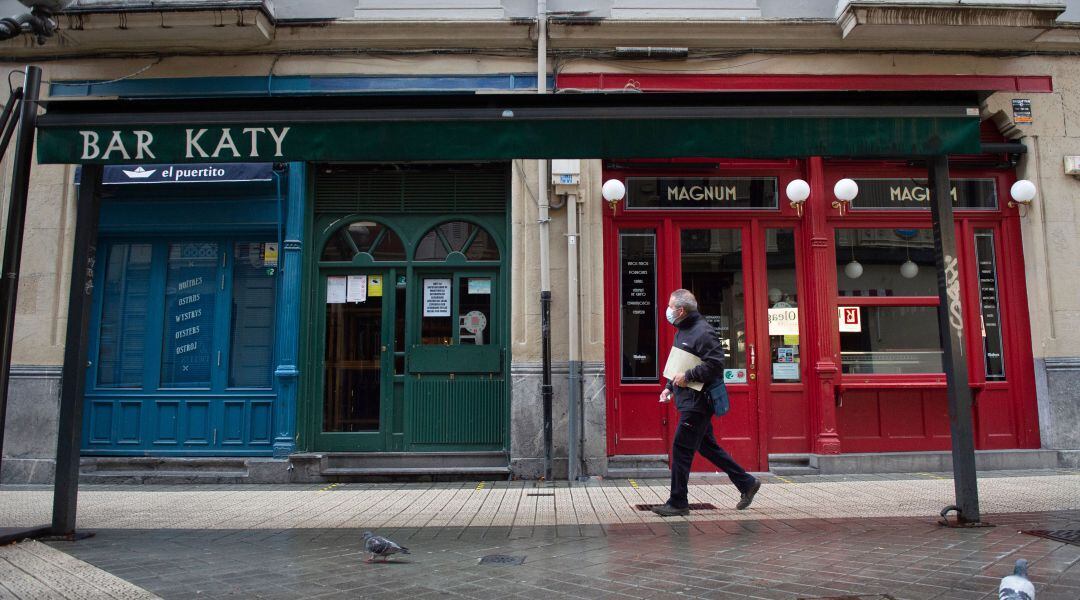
(874, 597)
(1068, 536)
(504, 560)
(541, 494)
(698, 506)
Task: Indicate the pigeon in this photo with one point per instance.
(380, 546)
(1017, 586)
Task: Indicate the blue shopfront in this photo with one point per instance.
(197, 272)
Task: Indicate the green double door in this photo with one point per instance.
(411, 360)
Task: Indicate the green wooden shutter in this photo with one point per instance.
(428, 189)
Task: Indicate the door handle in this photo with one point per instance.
(753, 357)
(382, 349)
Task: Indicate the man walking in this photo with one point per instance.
(695, 433)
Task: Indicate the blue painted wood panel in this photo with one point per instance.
(147, 393)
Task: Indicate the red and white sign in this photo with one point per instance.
(850, 319)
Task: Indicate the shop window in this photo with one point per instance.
(122, 333)
(887, 290)
(783, 302)
(712, 269)
(637, 305)
(892, 339)
(993, 357)
(254, 294)
(885, 262)
(367, 237)
(190, 297)
(208, 305)
(474, 310)
(457, 236)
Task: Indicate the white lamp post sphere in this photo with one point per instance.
(909, 269)
(1022, 192)
(853, 269)
(798, 191)
(846, 190)
(614, 190)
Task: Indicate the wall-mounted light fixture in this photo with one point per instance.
(614, 191)
(845, 191)
(1022, 193)
(797, 192)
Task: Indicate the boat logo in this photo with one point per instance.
(139, 173)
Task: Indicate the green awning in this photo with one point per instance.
(501, 128)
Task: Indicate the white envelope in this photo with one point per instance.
(681, 361)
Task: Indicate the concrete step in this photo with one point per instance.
(791, 464)
(639, 473)
(164, 470)
(638, 466)
(404, 460)
(400, 466)
(932, 462)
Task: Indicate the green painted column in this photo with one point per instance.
(288, 313)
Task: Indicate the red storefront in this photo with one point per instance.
(827, 311)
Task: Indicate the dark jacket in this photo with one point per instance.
(697, 337)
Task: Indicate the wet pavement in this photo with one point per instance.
(586, 542)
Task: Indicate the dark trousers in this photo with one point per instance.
(695, 434)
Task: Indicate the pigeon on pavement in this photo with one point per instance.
(1017, 586)
(380, 546)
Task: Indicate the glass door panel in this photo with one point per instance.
(714, 267)
(353, 369)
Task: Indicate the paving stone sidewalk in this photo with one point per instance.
(867, 537)
(31, 569)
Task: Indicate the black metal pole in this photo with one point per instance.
(951, 327)
(9, 119)
(545, 383)
(20, 189)
(80, 295)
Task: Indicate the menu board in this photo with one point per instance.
(637, 302)
(892, 194)
(988, 301)
(189, 315)
(701, 192)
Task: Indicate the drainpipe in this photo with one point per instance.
(545, 258)
(575, 410)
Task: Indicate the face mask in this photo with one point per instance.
(670, 314)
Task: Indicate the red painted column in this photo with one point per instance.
(820, 316)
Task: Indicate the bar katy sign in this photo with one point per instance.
(201, 142)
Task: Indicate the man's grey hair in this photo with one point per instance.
(684, 299)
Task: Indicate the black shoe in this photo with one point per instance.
(667, 510)
(748, 496)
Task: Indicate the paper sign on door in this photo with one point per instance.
(850, 319)
(335, 290)
(356, 289)
(374, 286)
(436, 297)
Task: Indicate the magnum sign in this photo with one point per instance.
(701, 192)
(892, 194)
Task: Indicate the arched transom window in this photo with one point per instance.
(364, 237)
(462, 237)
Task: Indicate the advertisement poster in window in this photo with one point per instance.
(436, 297)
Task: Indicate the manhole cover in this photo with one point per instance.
(502, 559)
(698, 506)
(1068, 536)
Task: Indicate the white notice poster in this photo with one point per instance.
(335, 290)
(783, 321)
(356, 288)
(436, 297)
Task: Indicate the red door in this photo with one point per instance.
(648, 259)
